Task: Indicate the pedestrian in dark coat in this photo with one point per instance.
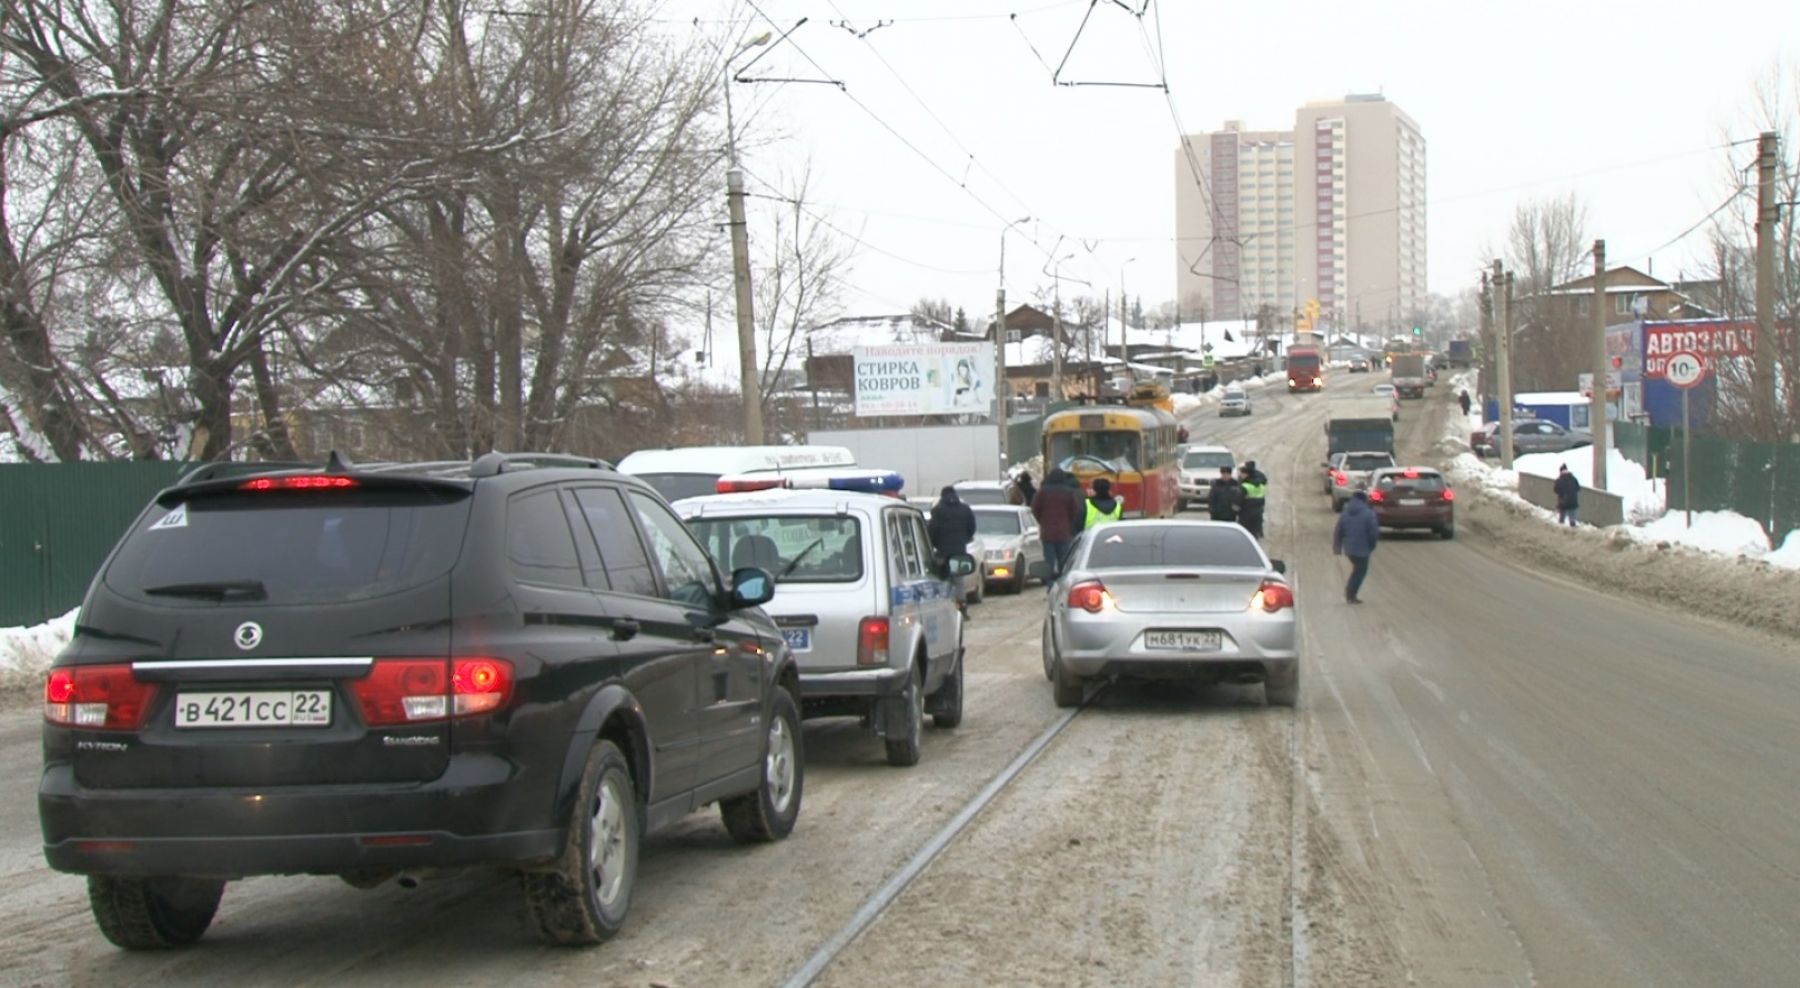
(1462, 400)
(1568, 496)
(952, 528)
(1357, 532)
(1223, 500)
(1026, 487)
(1058, 508)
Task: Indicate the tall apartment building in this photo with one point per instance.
(1332, 210)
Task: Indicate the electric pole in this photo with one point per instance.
(748, 382)
(1764, 405)
(1597, 401)
(1000, 388)
(1056, 391)
(1503, 328)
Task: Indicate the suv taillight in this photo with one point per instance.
(100, 697)
(872, 642)
(1272, 596)
(411, 691)
(1090, 596)
(1340, 478)
(1449, 495)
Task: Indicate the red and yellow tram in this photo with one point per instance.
(1132, 447)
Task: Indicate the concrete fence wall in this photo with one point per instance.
(1597, 507)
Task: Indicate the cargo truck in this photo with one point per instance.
(1359, 424)
(1408, 374)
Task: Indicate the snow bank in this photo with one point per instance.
(1722, 532)
(26, 652)
(1788, 556)
(1645, 498)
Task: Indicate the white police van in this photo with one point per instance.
(872, 622)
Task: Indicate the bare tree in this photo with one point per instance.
(1774, 99)
(798, 278)
(1545, 245)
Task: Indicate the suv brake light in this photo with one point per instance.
(1339, 478)
(872, 642)
(411, 691)
(1377, 496)
(1449, 495)
(308, 482)
(101, 697)
(1091, 596)
(1272, 596)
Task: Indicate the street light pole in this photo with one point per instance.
(1124, 307)
(749, 383)
(1000, 388)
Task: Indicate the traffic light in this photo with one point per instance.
(1418, 331)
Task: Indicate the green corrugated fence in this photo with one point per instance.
(57, 523)
(1757, 480)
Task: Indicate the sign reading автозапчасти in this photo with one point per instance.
(924, 379)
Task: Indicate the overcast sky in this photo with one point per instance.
(1625, 103)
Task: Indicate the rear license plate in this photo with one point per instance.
(1412, 502)
(798, 639)
(288, 708)
(1183, 641)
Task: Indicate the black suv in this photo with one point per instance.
(379, 671)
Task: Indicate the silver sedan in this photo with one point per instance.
(1172, 600)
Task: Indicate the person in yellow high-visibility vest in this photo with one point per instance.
(1102, 507)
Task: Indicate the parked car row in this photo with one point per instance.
(1529, 436)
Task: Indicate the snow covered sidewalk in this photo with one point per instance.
(26, 652)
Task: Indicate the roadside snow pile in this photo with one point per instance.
(26, 652)
(1788, 556)
(1187, 404)
(1645, 498)
(1723, 532)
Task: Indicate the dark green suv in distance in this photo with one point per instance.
(376, 672)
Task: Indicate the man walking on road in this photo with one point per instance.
(1462, 401)
(952, 528)
(1568, 496)
(1027, 488)
(1355, 536)
(1222, 501)
(1102, 507)
(1058, 508)
(1255, 486)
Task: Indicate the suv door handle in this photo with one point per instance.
(625, 629)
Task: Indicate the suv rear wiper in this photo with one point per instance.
(215, 590)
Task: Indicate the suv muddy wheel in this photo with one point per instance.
(584, 899)
(905, 748)
(1448, 531)
(1066, 687)
(768, 813)
(946, 705)
(153, 913)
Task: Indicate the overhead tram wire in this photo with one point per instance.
(977, 162)
(914, 148)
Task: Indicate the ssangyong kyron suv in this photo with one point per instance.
(377, 672)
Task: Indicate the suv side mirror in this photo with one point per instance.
(751, 586)
(961, 564)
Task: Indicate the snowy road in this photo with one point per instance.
(1495, 778)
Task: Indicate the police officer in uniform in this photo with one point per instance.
(1255, 486)
(1102, 507)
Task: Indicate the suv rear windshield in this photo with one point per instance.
(675, 486)
(794, 548)
(1156, 546)
(292, 547)
(1372, 462)
(1427, 482)
(1207, 461)
(997, 523)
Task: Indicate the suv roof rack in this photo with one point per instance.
(492, 464)
(219, 469)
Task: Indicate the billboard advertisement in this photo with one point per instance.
(1706, 337)
(924, 379)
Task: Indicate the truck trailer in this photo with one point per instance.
(1359, 424)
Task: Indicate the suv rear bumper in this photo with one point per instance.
(878, 681)
(237, 832)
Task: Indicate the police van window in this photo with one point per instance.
(687, 570)
(621, 553)
(921, 540)
(539, 546)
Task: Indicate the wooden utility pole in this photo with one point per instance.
(1056, 332)
(1597, 402)
(1503, 329)
(1764, 402)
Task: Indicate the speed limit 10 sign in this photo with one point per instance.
(1685, 369)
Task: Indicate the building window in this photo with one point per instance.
(1622, 303)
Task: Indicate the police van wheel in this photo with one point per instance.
(906, 742)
